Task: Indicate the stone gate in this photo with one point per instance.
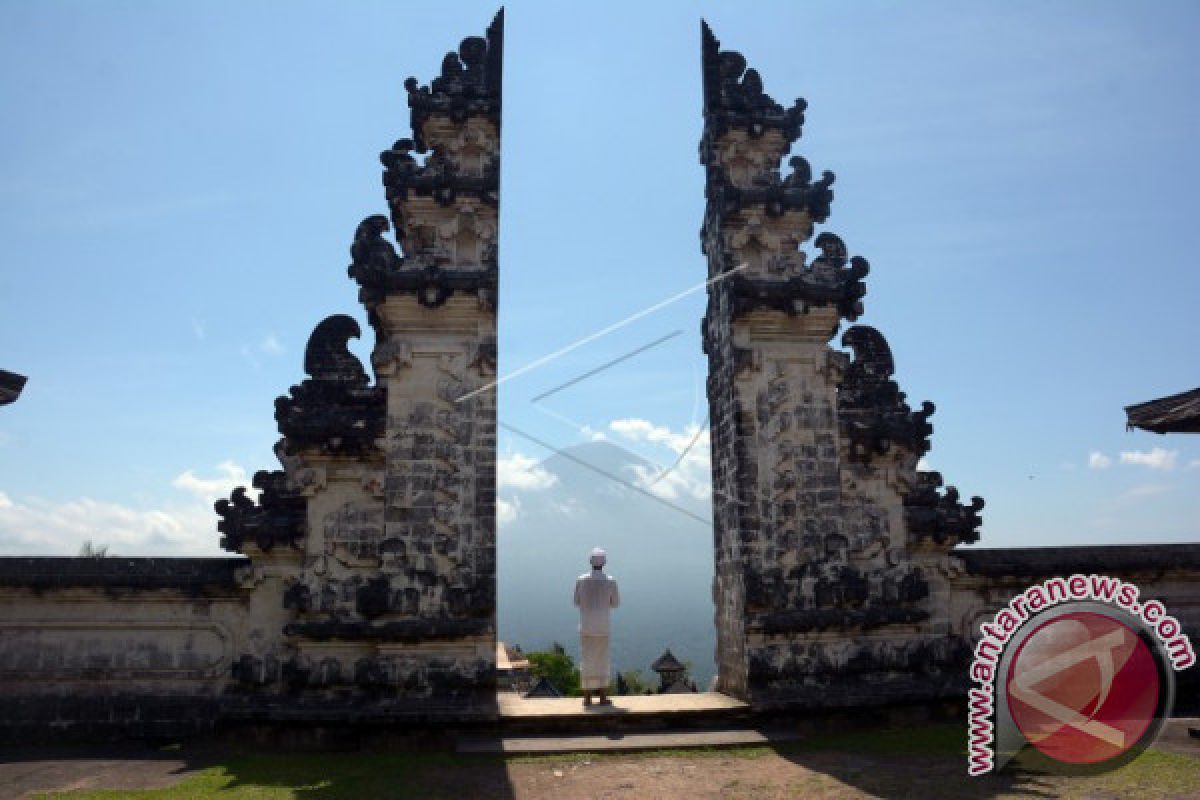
(364, 589)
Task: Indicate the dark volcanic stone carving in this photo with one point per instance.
(1028, 563)
(373, 257)
(829, 281)
(327, 356)
(371, 673)
(375, 598)
(941, 517)
(470, 82)
(808, 665)
(295, 673)
(277, 518)
(844, 619)
(251, 671)
(380, 271)
(796, 192)
(298, 597)
(734, 96)
(335, 411)
(437, 178)
(871, 408)
(407, 630)
(192, 575)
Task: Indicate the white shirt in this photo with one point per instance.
(595, 595)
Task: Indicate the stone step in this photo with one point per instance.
(514, 706)
(620, 742)
(567, 715)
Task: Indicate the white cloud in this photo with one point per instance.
(568, 508)
(690, 477)
(270, 345)
(924, 465)
(507, 510)
(1194, 463)
(248, 353)
(522, 472)
(1145, 490)
(1158, 458)
(36, 527)
(1097, 460)
(641, 430)
(231, 477)
(592, 434)
(186, 526)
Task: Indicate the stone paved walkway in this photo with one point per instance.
(513, 706)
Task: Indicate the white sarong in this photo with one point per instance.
(595, 668)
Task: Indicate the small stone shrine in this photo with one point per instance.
(672, 674)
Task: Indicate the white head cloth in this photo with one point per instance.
(599, 557)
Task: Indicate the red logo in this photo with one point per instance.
(1083, 688)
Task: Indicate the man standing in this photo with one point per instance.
(595, 595)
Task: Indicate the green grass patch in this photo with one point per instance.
(327, 776)
(893, 763)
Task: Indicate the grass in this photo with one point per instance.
(882, 763)
(284, 776)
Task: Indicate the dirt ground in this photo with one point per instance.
(901, 764)
(24, 773)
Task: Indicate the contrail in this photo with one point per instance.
(605, 366)
(605, 473)
(682, 454)
(594, 336)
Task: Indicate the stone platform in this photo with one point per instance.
(674, 711)
(618, 741)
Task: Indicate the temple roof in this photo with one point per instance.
(667, 663)
(1178, 413)
(543, 688)
(11, 385)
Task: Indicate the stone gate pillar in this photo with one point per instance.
(831, 548)
(433, 307)
(374, 547)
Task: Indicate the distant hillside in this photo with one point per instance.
(661, 558)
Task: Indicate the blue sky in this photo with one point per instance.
(180, 183)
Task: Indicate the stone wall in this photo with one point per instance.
(111, 647)
(985, 580)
